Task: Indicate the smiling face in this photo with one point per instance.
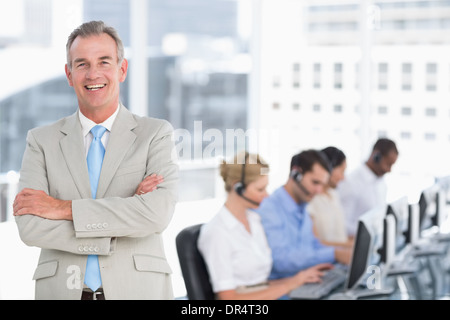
(96, 75)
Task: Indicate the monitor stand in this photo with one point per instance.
(442, 237)
(402, 269)
(429, 249)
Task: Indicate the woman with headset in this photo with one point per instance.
(326, 209)
(234, 244)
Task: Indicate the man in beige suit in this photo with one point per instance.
(122, 226)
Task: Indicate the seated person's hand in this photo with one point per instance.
(343, 255)
(313, 274)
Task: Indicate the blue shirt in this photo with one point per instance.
(289, 232)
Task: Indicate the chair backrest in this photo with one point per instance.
(193, 267)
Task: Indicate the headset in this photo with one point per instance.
(297, 176)
(240, 186)
(377, 157)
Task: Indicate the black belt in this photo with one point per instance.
(89, 295)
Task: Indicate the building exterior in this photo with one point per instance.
(344, 85)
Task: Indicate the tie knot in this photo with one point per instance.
(98, 131)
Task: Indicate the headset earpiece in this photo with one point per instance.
(296, 175)
(239, 188)
(377, 157)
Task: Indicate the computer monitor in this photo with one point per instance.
(369, 238)
(444, 184)
(399, 209)
(413, 231)
(381, 230)
(360, 257)
(430, 206)
(387, 248)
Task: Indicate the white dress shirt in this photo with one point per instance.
(328, 216)
(88, 124)
(234, 256)
(360, 191)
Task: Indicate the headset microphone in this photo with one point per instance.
(297, 176)
(240, 186)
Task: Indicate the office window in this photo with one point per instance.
(430, 112)
(316, 75)
(430, 136)
(405, 135)
(382, 76)
(382, 110)
(431, 77)
(382, 133)
(276, 82)
(449, 77)
(338, 75)
(337, 108)
(296, 75)
(296, 106)
(276, 105)
(406, 76)
(406, 111)
(316, 107)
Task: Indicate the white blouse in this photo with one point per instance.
(328, 216)
(234, 256)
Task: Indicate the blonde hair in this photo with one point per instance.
(233, 172)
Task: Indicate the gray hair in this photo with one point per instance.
(94, 28)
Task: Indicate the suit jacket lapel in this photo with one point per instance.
(120, 140)
(72, 148)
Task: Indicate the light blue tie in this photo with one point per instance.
(94, 162)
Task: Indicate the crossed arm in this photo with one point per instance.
(38, 203)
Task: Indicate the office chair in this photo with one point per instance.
(193, 267)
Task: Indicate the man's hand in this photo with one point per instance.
(149, 184)
(38, 203)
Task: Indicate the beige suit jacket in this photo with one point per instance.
(123, 229)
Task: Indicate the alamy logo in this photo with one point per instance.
(74, 279)
(374, 280)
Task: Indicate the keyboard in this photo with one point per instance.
(331, 280)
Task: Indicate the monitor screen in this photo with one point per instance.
(444, 185)
(400, 210)
(428, 207)
(368, 238)
(361, 250)
(413, 232)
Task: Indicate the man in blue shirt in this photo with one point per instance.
(287, 223)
